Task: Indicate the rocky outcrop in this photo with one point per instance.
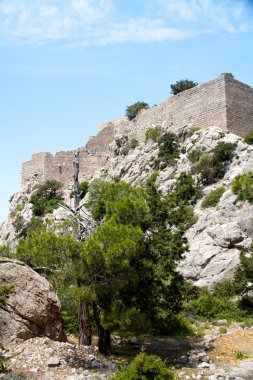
(32, 308)
(220, 233)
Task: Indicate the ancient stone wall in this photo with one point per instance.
(223, 102)
(239, 106)
(44, 166)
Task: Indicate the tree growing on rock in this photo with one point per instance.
(134, 109)
(182, 85)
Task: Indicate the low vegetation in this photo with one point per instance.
(46, 198)
(5, 291)
(169, 149)
(213, 198)
(145, 367)
(152, 134)
(133, 110)
(242, 186)
(212, 166)
(249, 138)
(132, 144)
(182, 85)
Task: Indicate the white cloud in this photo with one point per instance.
(87, 22)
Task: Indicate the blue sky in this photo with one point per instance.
(67, 66)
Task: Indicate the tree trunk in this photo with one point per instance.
(104, 337)
(84, 326)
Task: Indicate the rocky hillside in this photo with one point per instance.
(220, 232)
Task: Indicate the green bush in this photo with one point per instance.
(19, 225)
(242, 186)
(224, 151)
(132, 144)
(134, 109)
(145, 367)
(5, 291)
(152, 134)
(213, 198)
(194, 155)
(249, 138)
(83, 188)
(168, 148)
(46, 198)
(19, 208)
(182, 85)
(212, 166)
(70, 323)
(192, 130)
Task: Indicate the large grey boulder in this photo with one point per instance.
(32, 309)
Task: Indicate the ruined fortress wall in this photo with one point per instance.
(44, 166)
(33, 170)
(223, 102)
(239, 106)
(203, 105)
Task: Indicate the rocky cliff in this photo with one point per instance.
(220, 232)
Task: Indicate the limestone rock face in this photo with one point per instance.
(31, 310)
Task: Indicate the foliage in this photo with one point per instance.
(212, 167)
(168, 148)
(194, 155)
(83, 188)
(46, 198)
(19, 208)
(3, 368)
(223, 330)
(249, 138)
(216, 304)
(70, 323)
(230, 75)
(134, 109)
(242, 186)
(244, 280)
(5, 251)
(96, 203)
(182, 85)
(132, 144)
(5, 291)
(213, 198)
(19, 226)
(11, 198)
(192, 130)
(152, 134)
(145, 367)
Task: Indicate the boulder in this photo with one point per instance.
(32, 308)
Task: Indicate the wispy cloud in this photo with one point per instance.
(100, 22)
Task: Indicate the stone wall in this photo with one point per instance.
(44, 166)
(223, 102)
(239, 107)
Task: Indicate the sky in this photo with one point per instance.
(67, 66)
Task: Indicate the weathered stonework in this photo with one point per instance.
(223, 102)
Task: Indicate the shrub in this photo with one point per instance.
(19, 226)
(168, 148)
(47, 197)
(5, 291)
(243, 187)
(194, 155)
(223, 330)
(182, 85)
(145, 367)
(152, 134)
(230, 75)
(192, 130)
(132, 144)
(224, 151)
(134, 109)
(19, 208)
(70, 323)
(213, 198)
(212, 166)
(82, 190)
(249, 138)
